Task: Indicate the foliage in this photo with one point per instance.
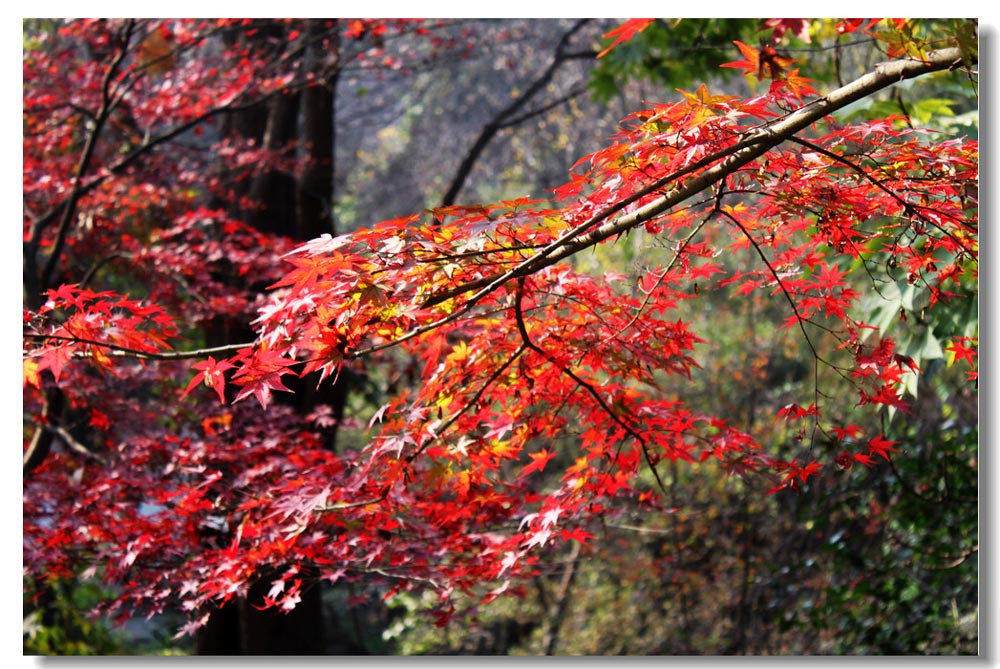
(68, 631)
(674, 53)
(532, 406)
(65, 626)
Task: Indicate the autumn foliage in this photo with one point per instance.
(530, 400)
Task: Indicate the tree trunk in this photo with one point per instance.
(240, 628)
(301, 209)
(274, 191)
(314, 195)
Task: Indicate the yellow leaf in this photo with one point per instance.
(31, 377)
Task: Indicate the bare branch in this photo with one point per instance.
(126, 352)
(505, 118)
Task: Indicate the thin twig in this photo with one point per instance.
(125, 351)
(522, 329)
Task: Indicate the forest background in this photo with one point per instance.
(730, 586)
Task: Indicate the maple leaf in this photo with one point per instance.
(964, 348)
(212, 374)
(577, 534)
(798, 27)
(538, 538)
(751, 59)
(378, 416)
(99, 419)
(701, 101)
(847, 431)
(356, 28)
(801, 472)
(572, 188)
(538, 462)
(260, 374)
(624, 32)
(795, 411)
(323, 245)
(844, 460)
(853, 25)
(292, 597)
(760, 63)
(550, 516)
(864, 459)
(798, 85)
(55, 359)
(496, 592)
(510, 559)
(882, 446)
(30, 373)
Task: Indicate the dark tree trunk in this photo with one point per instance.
(240, 628)
(274, 191)
(300, 208)
(314, 195)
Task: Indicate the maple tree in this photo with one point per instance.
(533, 400)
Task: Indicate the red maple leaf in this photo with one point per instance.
(625, 32)
(538, 462)
(964, 348)
(881, 446)
(260, 374)
(576, 534)
(212, 374)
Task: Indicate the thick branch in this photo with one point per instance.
(756, 143)
(558, 609)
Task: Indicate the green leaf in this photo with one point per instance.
(928, 108)
(930, 348)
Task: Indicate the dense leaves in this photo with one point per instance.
(534, 402)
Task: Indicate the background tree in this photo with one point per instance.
(508, 409)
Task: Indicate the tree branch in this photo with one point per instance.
(72, 442)
(523, 330)
(558, 609)
(126, 352)
(37, 283)
(41, 440)
(503, 118)
(754, 144)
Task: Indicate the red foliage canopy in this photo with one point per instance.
(537, 407)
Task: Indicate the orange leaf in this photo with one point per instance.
(799, 86)
(625, 32)
(751, 61)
